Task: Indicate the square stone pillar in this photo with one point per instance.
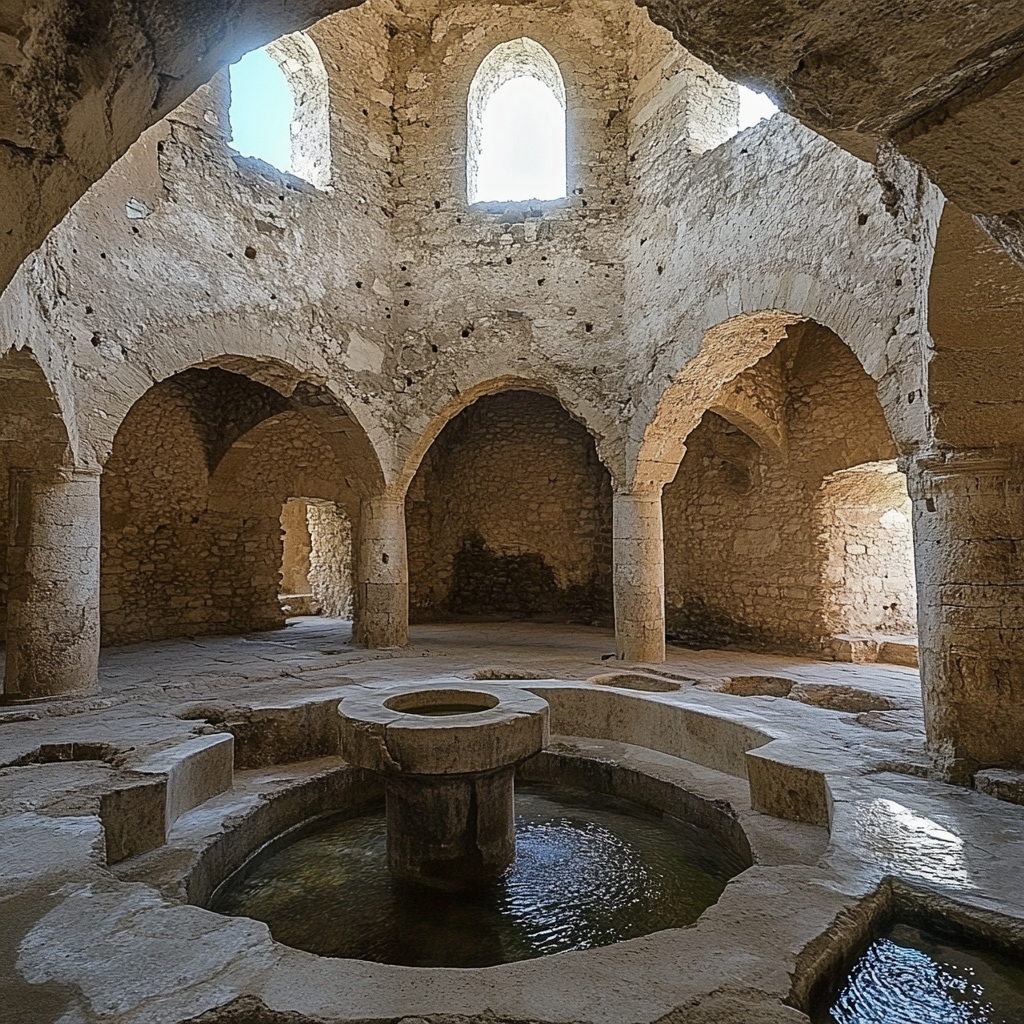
(638, 575)
(382, 575)
(53, 618)
(969, 555)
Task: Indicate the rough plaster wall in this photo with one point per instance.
(330, 565)
(679, 107)
(868, 551)
(508, 289)
(769, 218)
(143, 297)
(743, 562)
(510, 513)
(405, 300)
(733, 236)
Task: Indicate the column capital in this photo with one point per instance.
(646, 491)
(960, 471)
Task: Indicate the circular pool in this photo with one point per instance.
(589, 871)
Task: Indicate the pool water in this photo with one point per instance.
(911, 976)
(588, 871)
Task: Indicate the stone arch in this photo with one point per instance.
(560, 60)
(284, 459)
(303, 67)
(516, 58)
(192, 500)
(245, 468)
(309, 386)
(707, 381)
(509, 514)
(576, 407)
(750, 528)
(758, 424)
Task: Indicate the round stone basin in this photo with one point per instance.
(441, 703)
(447, 757)
(589, 871)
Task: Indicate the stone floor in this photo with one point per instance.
(81, 942)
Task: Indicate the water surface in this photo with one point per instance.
(588, 871)
(911, 976)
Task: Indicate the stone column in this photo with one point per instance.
(969, 555)
(53, 617)
(451, 831)
(638, 575)
(382, 580)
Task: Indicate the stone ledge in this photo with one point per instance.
(1003, 785)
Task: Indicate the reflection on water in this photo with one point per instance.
(588, 871)
(913, 977)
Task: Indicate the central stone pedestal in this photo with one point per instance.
(448, 756)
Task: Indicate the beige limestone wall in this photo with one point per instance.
(867, 548)
(498, 289)
(186, 550)
(582, 308)
(317, 555)
(33, 443)
(744, 559)
(297, 545)
(510, 514)
(163, 550)
(386, 292)
(331, 559)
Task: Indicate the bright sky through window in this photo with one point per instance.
(754, 107)
(522, 152)
(261, 110)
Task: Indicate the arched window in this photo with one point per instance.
(516, 126)
(280, 108)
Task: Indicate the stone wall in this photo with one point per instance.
(33, 441)
(164, 551)
(331, 559)
(745, 558)
(386, 292)
(510, 514)
(297, 547)
(186, 550)
(868, 551)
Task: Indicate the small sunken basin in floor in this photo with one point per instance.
(589, 871)
(913, 976)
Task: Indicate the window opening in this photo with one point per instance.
(516, 126)
(280, 108)
(261, 110)
(755, 107)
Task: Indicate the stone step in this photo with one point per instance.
(869, 648)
